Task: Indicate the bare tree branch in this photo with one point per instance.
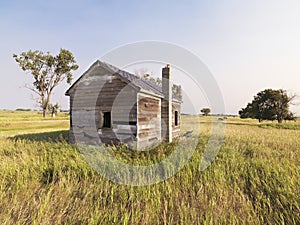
(32, 89)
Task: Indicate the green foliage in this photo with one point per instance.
(144, 74)
(53, 109)
(255, 179)
(48, 71)
(269, 104)
(205, 111)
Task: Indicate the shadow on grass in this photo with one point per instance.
(54, 136)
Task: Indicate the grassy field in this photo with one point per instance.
(255, 178)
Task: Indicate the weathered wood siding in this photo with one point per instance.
(136, 116)
(149, 120)
(165, 116)
(99, 92)
(176, 129)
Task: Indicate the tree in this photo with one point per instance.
(269, 104)
(141, 72)
(205, 111)
(144, 74)
(48, 71)
(53, 109)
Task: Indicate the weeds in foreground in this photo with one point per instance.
(255, 179)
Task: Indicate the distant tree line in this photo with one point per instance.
(23, 110)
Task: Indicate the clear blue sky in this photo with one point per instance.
(247, 45)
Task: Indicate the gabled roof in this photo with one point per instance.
(136, 81)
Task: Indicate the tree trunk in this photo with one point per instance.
(44, 113)
(279, 118)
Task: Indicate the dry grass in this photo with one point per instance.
(255, 179)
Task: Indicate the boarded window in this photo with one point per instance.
(107, 119)
(176, 118)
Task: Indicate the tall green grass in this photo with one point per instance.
(255, 179)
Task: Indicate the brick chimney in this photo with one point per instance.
(166, 104)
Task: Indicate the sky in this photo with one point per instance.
(247, 45)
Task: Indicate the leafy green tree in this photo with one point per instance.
(48, 71)
(205, 111)
(53, 109)
(269, 104)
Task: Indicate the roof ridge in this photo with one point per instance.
(151, 85)
(138, 81)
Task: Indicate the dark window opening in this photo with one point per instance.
(176, 118)
(125, 122)
(107, 119)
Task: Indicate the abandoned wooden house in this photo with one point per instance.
(109, 105)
